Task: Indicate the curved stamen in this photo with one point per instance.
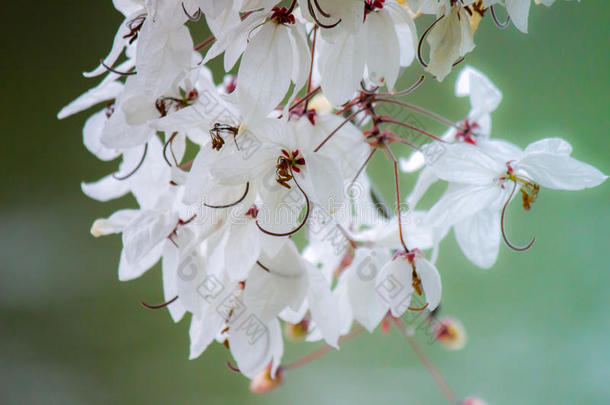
(263, 266)
(421, 110)
(232, 204)
(325, 14)
(128, 175)
(458, 62)
(501, 25)
(361, 169)
(232, 367)
(298, 228)
(406, 91)
(419, 309)
(165, 304)
(508, 243)
(317, 20)
(421, 41)
(345, 121)
(414, 128)
(194, 17)
(169, 143)
(113, 70)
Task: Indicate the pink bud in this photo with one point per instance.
(263, 382)
(473, 401)
(451, 333)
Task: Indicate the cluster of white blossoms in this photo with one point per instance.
(253, 193)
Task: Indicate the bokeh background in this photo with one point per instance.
(71, 333)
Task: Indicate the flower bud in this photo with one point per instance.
(264, 383)
(451, 333)
(473, 401)
(320, 104)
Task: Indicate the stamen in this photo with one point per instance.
(351, 184)
(421, 110)
(170, 144)
(385, 118)
(421, 41)
(397, 188)
(205, 43)
(305, 98)
(418, 309)
(128, 175)
(408, 90)
(501, 25)
(298, 228)
(159, 306)
(108, 68)
(508, 243)
(232, 367)
(348, 119)
(315, 17)
(263, 266)
(231, 204)
(217, 140)
(325, 14)
(194, 17)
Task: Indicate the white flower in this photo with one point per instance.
(404, 275)
(481, 184)
(225, 174)
(450, 39)
(383, 42)
(474, 129)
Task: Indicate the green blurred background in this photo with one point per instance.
(538, 322)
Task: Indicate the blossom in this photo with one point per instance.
(253, 191)
(480, 184)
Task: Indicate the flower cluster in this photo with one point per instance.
(253, 192)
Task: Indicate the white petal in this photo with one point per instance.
(394, 285)
(479, 237)
(129, 271)
(550, 145)
(460, 202)
(265, 69)
(145, 232)
(341, 65)
(92, 134)
(462, 163)
(267, 294)
(484, 95)
(203, 330)
(105, 189)
(382, 60)
(170, 288)
(560, 172)
(113, 224)
(104, 91)
(254, 345)
(413, 163)
(518, 10)
(323, 306)
(425, 179)
(368, 307)
(243, 249)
